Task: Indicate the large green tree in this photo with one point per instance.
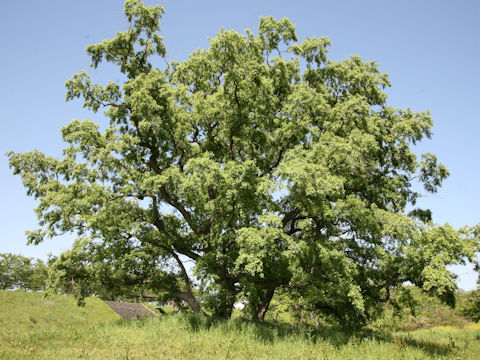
(258, 161)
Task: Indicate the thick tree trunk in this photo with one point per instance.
(264, 302)
(226, 297)
(192, 302)
(224, 313)
(188, 296)
(225, 309)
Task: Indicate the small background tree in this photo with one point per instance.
(19, 272)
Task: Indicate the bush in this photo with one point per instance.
(413, 309)
(469, 304)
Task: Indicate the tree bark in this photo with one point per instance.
(188, 296)
(192, 302)
(224, 307)
(264, 302)
(225, 312)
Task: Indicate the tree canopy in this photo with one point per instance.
(255, 165)
(20, 272)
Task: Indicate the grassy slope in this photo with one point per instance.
(27, 308)
(35, 328)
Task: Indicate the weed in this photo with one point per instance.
(97, 333)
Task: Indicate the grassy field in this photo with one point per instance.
(32, 327)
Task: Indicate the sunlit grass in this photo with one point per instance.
(22, 307)
(54, 328)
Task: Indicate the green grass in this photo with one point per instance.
(28, 308)
(54, 328)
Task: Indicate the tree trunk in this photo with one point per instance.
(224, 308)
(188, 296)
(264, 302)
(192, 302)
(224, 313)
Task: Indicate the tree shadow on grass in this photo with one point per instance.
(339, 337)
(333, 335)
(270, 332)
(336, 336)
(431, 348)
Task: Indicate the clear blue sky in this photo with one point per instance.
(430, 49)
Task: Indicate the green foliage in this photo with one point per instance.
(469, 304)
(19, 272)
(409, 308)
(260, 161)
(82, 271)
(412, 308)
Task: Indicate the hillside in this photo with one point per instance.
(29, 308)
(32, 327)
